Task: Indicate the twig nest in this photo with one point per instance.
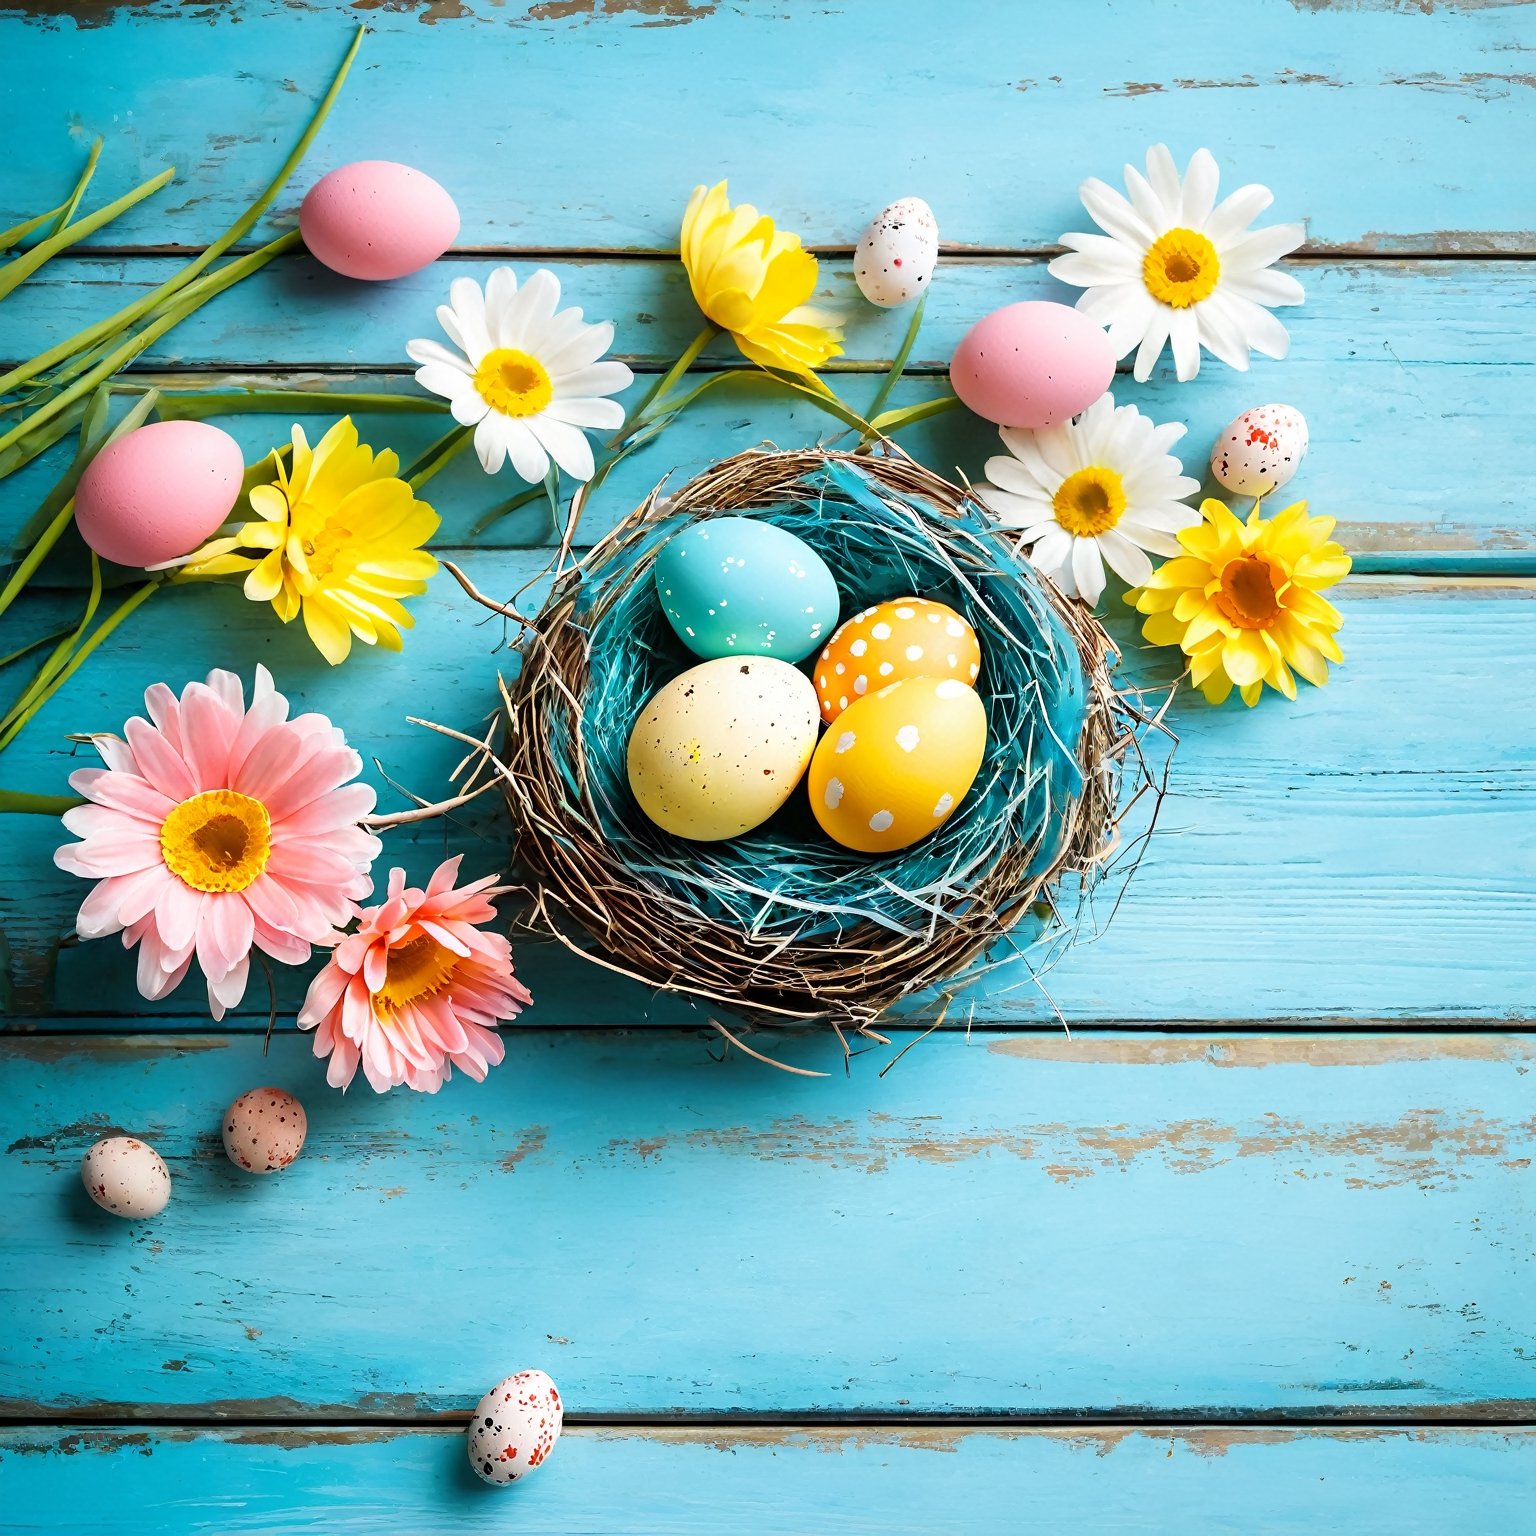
(782, 923)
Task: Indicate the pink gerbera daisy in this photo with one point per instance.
(418, 989)
(214, 828)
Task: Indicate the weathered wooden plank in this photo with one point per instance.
(1369, 850)
(1409, 375)
(1017, 1224)
(776, 1482)
(1376, 120)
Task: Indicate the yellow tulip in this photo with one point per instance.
(753, 280)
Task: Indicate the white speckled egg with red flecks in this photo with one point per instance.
(515, 1427)
(897, 253)
(264, 1130)
(126, 1176)
(1260, 450)
(905, 637)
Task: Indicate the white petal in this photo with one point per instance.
(1267, 287)
(586, 346)
(468, 408)
(585, 411)
(1021, 444)
(1053, 555)
(1113, 253)
(1235, 213)
(1220, 333)
(527, 453)
(1152, 341)
(440, 379)
(1261, 248)
(527, 317)
(1112, 213)
(490, 444)
(1164, 176)
(1128, 562)
(428, 351)
(500, 295)
(1260, 329)
(599, 379)
(1158, 540)
(1087, 570)
(1201, 179)
(566, 445)
(1127, 317)
(1059, 447)
(468, 309)
(1184, 333)
(1086, 271)
(1012, 475)
(1169, 516)
(1010, 510)
(1147, 203)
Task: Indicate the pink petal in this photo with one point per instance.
(159, 761)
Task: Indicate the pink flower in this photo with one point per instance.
(216, 828)
(418, 989)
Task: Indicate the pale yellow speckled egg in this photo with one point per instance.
(894, 764)
(905, 637)
(719, 749)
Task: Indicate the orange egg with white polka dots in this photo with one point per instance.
(906, 637)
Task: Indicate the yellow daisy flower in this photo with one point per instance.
(753, 280)
(337, 537)
(1242, 601)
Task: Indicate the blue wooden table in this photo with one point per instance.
(1249, 1250)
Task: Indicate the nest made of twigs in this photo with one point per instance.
(781, 923)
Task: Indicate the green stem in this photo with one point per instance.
(226, 277)
(16, 272)
(103, 630)
(442, 453)
(664, 382)
(900, 362)
(21, 803)
(61, 652)
(9, 238)
(130, 314)
(67, 212)
(289, 402)
(894, 421)
(32, 645)
(37, 554)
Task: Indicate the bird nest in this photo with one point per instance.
(782, 924)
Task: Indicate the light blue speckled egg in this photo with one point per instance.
(734, 586)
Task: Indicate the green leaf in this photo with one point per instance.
(893, 374)
(67, 212)
(894, 421)
(18, 802)
(292, 402)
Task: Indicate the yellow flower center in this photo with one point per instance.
(513, 383)
(217, 841)
(1250, 591)
(1089, 501)
(1181, 268)
(413, 971)
(324, 549)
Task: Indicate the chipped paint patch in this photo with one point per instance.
(1256, 1051)
(532, 1140)
(61, 1047)
(659, 13)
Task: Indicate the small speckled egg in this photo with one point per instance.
(158, 492)
(126, 1176)
(895, 764)
(897, 253)
(906, 637)
(1032, 364)
(515, 1427)
(737, 586)
(264, 1130)
(376, 219)
(1260, 450)
(719, 749)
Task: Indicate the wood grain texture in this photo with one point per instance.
(1410, 376)
(774, 1482)
(1381, 123)
(1009, 1225)
(1369, 851)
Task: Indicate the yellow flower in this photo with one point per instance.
(753, 280)
(1242, 601)
(338, 537)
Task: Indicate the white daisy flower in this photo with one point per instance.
(527, 379)
(1176, 266)
(1101, 487)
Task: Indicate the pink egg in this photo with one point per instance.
(376, 220)
(1032, 365)
(157, 493)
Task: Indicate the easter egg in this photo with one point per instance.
(906, 637)
(736, 586)
(126, 1176)
(264, 1130)
(158, 492)
(514, 1428)
(1032, 364)
(1260, 450)
(897, 253)
(719, 749)
(895, 764)
(376, 220)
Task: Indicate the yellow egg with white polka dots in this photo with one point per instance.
(906, 637)
(896, 763)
